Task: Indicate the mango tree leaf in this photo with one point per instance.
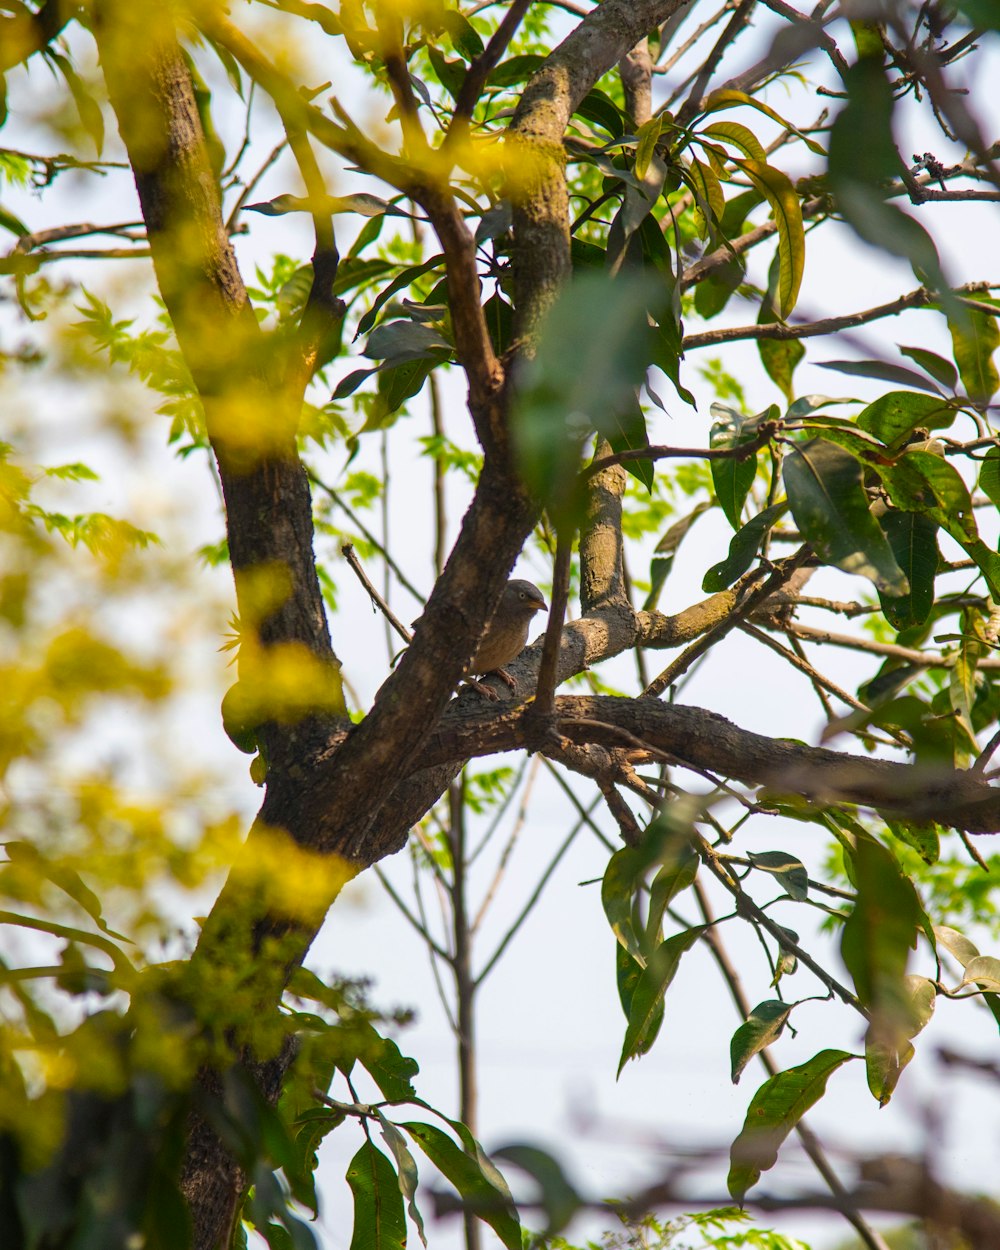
(726, 98)
(672, 879)
(515, 69)
(882, 928)
(559, 1198)
(989, 475)
(940, 369)
(666, 549)
(647, 135)
(399, 283)
(628, 973)
(787, 212)
(894, 417)
(925, 839)
(762, 1027)
(399, 340)
(983, 971)
(466, 1173)
(979, 13)
(743, 548)
(830, 507)
(652, 986)
(774, 1111)
(790, 872)
(621, 879)
(882, 371)
(913, 539)
(740, 137)
(780, 357)
(379, 1222)
(731, 477)
(406, 1167)
(887, 1052)
(863, 159)
(956, 944)
(594, 348)
(975, 336)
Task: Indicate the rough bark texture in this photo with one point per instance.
(353, 792)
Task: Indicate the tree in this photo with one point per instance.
(561, 223)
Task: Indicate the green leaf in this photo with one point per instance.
(787, 213)
(401, 281)
(762, 1027)
(863, 160)
(775, 1110)
(647, 135)
(940, 369)
(621, 879)
(791, 872)
(666, 549)
(379, 1222)
(983, 971)
(598, 107)
(464, 37)
(989, 475)
(672, 879)
(743, 548)
(650, 991)
(881, 371)
(406, 1168)
(828, 501)
(515, 69)
(882, 928)
(739, 136)
(559, 1198)
(979, 13)
(975, 336)
(780, 357)
(91, 117)
(627, 432)
(732, 478)
(925, 839)
(727, 98)
(594, 348)
(468, 1176)
(956, 944)
(913, 539)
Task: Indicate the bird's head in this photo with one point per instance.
(523, 597)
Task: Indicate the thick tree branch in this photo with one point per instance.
(704, 740)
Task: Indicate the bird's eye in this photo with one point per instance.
(520, 594)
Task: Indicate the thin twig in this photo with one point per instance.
(348, 552)
(782, 572)
(368, 536)
(802, 665)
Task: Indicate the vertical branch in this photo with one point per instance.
(465, 984)
(636, 69)
(547, 672)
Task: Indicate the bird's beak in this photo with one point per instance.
(539, 604)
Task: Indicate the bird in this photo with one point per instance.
(507, 632)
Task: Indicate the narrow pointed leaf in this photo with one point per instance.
(913, 539)
(652, 986)
(975, 337)
(465, 1172)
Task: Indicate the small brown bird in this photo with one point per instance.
(507, 631)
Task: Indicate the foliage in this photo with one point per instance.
(518, 220)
